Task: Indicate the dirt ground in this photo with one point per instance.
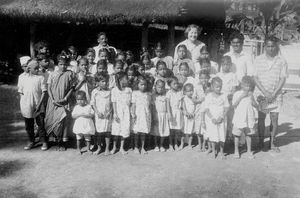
(172, 174)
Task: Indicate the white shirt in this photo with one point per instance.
(98, 47)
(242, 64)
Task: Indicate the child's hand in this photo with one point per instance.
(117, 119)
(107, 115)
(133, 116)
(214, 121)
(190, 116)
(219, 120)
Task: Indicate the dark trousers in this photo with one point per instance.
(29, 127)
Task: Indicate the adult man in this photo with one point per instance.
(242, 62)
(270, 74)
(102, 40)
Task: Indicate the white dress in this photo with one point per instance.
(229, 80)
(142, 110)
(189, 124)
(31, 88)
(83, 125)
(102, 101)
(244, 114)
(215, 105)
(175, 99)
(123, 102)
(160, 116)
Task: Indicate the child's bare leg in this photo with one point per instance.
(88, 144)
(274, 120)
(115, 139)
(161, 144)
(136, 140)
(107, 142)
(122, 146)
(97, 141)
(222, 150)
(171, 140)
(181, 142)
(143, 137)
(199, 142)
(156, 143)
(236, 147)
(78, 146)
(190, 138)
(213, 146)
(261, 128)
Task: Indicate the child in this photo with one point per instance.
(244, 119)
(121, 100)
(104, 55)
(175, 97)
(189, 112)
(129, 57)
(118, 67)
(85, 80)
(101, 67)
(184, 74)
(204, 64)
(122, 56)
(182, 57)
(101, 103)
(132, 74)
(103, 44)
(61, 84)
(90, 56)
(148, 64)
(32, 88)
(72, 54)
(23, 61)
(202, 88)
(215, 108)
(162, 73)
(83, 126)
(204, 54)
(161, 113)
(141, 113)
(230, 85)
(159, 53)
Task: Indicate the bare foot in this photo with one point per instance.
(189, 147)
(162, 149)
(176, 147)
(180, 147)
(89, 152)
(208, 151)
(223, 157)
(106, 152)
(171, 148)
(136, 151)
(236, 156)
(123, 152)
(97, 152)
(156, 149)
(144, 152)
(79, 152)
(113, 151)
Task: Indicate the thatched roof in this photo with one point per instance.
(98, 11)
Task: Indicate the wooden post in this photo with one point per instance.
(171, 38)
(145, 35)
(32, 38)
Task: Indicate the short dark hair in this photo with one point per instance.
(248, 80)
(102, 62)
(216, 79)
(101, 76)
(81, 93)
(119, 76)
(160, 62)
(237, 35)
(101, 33)
(90, 50)
(226, 58)
(188, 85)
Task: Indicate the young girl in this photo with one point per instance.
(61, 84)
(162, 73)
(101, 102)
(175, 97)
(132, 74)
(118, 67)
(72, 54)
(245, 115)
(121, 100)
(230, 85)
(161, 115)
(204, 64)
(141, 113)
(215, 108)
(90, 56)
(85, 80)
(148, 64)
(83, 126)
(189, 107)
(159, 53)
(184, 74)
(204, 54)
(32, 88)
(129, 57)
(104, 55)
(182, 57)
(202, 88)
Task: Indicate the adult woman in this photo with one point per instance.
(270, 75)
(193, 45)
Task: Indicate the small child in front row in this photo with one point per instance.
(121, 100)
(215, 108)
(141, 114)
(83, 114)
(202, 88)
(189, 108)
(175, 97)
(161, 115)
(244, 118)
(101, 103)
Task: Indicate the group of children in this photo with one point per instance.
(123, 99)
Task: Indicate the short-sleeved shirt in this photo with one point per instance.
(242, 64)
